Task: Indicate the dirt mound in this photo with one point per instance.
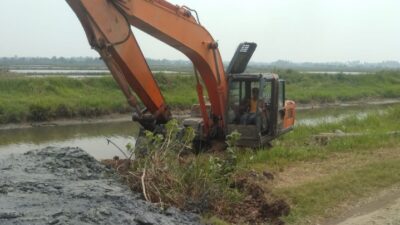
(67, 186)
(260, 205)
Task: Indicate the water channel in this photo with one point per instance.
(90, 137)
(93, 137)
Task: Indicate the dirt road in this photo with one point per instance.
(384, 209)
(67, 186)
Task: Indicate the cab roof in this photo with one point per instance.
(254, 76)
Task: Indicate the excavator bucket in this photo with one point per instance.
(241, 58)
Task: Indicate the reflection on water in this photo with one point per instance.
(315, 117)
(90, 137)
(330, 119)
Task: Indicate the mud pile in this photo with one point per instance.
(67, 186)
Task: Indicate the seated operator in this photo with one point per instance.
(249, 117)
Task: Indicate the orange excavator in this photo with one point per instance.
(252, 104)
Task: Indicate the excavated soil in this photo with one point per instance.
(259, 205)
(67, 186)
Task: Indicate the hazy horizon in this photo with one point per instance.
(225, 61)
(296, 31)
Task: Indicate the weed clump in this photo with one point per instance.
(169, 174)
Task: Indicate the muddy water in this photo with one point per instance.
(91, 137)
(315, 121)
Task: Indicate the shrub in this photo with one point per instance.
(39, 112)
(170, 175)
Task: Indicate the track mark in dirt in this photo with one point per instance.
(381, 209)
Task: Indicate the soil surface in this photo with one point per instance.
(67, 186)
(384, 208)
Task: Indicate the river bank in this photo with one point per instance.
(127, 117)
(24, 99)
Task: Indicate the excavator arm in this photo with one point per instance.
(107, 25)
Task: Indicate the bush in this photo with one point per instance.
(38, 112)
(170, 175)
(64, 111)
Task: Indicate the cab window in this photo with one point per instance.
(267, 92)
(281, 96)
(240, 95)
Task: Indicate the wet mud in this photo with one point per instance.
(68, 186)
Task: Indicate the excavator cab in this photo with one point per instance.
(257, 107)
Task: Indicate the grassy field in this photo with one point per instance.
(322, 88)
(319, 178)
(40, 99)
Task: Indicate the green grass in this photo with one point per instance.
(322, 88)
(39, 99)
(35, 99)
(318, 198)
(299, 146)
(179, 90)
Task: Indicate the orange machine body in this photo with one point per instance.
(107, 25)
(290, 114)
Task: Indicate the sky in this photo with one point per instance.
(294, 30)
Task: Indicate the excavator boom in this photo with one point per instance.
(107, 25)
(253, 104)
